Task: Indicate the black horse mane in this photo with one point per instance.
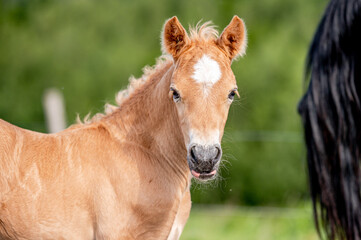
(331, 115)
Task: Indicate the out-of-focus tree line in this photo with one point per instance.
(88, 49)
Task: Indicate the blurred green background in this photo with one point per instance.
(88, 49)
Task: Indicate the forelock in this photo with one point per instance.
(205, 31)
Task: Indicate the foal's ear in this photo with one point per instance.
(174, 37)
(234, 38)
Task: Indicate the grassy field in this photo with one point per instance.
(230, 223)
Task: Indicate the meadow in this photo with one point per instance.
(250, 223)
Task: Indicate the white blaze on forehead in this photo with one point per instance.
(206, 71)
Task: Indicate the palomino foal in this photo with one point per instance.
(126, 174)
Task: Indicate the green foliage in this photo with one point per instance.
(88, 49)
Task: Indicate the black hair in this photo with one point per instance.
(331, 115)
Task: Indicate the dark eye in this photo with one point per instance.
(176, 97)
(231, 95)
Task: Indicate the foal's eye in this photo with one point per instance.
(232, 94)
(175, 94)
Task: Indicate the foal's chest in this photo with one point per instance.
(148, 213)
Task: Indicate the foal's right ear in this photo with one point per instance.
(174, 37)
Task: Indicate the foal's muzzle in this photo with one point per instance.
(203, 160)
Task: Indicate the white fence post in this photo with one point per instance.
(53, 103)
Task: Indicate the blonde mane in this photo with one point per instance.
(201, 32)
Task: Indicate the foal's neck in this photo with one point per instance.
(149, 119)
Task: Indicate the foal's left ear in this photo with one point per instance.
(234, 38)
(174, 37)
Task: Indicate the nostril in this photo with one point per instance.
(193, 156)
(218, 153)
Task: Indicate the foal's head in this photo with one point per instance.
(203, 87)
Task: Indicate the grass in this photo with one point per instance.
(233, 223)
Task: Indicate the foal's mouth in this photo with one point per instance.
(204, 176)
